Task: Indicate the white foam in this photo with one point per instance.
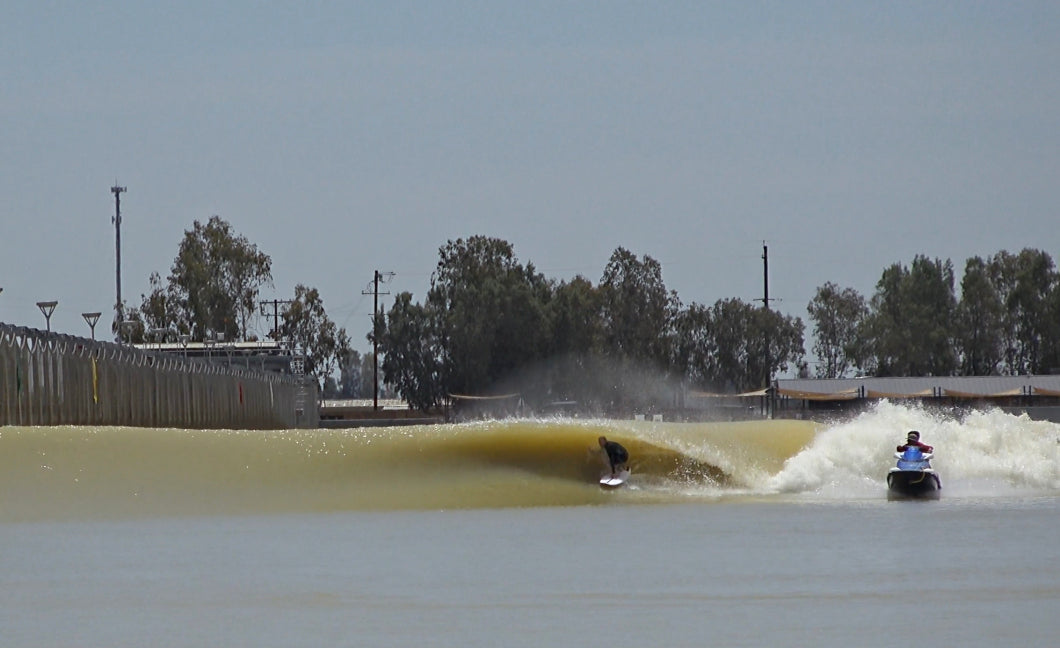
(982, 453)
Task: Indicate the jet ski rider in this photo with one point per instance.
(913, 441)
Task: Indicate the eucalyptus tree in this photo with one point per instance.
(636, 308)
(411, 346)
(637, 315)
(837, 314)
(213, 284)
(979, 321)
(751, 343)
(574, 352)
(491, 313)
(1024, 283)
(910, 325)
(307, 326)
(695, 346)
(159, 308)
(1051, 348)
(352, 377)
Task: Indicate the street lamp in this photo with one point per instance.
(91, 319)
(128, 326)
(47, 307)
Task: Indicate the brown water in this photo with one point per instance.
(753, 534)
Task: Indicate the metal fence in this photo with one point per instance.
(56, 379)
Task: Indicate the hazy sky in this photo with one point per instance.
(348, 137)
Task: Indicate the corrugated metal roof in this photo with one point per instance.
(920, 387)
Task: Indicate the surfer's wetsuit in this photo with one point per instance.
(616, 455)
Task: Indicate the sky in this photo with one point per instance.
(344, 138)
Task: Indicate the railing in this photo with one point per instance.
(56, 379)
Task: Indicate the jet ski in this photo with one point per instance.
(913, 477)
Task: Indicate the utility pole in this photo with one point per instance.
(117, 191)
(765, 275)
(765, 303)
(386, 276)
(275, 314)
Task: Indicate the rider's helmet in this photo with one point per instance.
(913, 436)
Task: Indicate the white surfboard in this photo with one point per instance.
(613, 481)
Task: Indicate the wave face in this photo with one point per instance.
(108, 472)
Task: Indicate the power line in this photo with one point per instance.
(275, 314)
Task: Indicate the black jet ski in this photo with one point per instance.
(913, 477)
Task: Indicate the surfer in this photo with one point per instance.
(913, 441)
(617, 456)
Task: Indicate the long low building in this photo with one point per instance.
(1038, 396)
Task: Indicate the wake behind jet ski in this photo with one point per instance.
(913, 476)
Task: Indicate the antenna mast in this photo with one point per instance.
(117, 191)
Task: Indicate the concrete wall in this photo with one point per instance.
(54, 379)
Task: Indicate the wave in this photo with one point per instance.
(106, 472)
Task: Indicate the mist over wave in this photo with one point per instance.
(89, 472)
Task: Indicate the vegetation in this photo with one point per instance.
(490, 325)
(212, 287)
(307, 327)
(488, 320)
(211, 293)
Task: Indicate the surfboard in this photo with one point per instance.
(613, 481)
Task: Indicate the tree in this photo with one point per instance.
(351, 375)
(1051, 342)
(979, 321)
(1024, 283)
(490, 315)
(412, 353)
(837, 315)
(310, 331)
(575, 346)
(637, 310)
(574, 313)
(213, 284)
(910, 324)
(751, 343)
(695, 347)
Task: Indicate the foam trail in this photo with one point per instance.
(982, 453)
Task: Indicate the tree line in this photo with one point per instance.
(1006, 320)
(487, 319)
(490, 324)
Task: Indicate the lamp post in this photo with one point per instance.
(128, 326)
(47, 308)
(91, 319)
(160, 336)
